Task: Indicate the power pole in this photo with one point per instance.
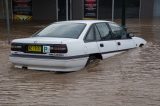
(112, 10)
(7, 20)
(123, 14)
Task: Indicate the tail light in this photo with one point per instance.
(58, 48)
(16, 47)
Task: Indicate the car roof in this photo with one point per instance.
(83, 21)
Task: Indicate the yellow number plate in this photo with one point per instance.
(34, 48)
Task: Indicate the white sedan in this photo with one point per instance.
(71, 45)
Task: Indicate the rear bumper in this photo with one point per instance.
(63, 65)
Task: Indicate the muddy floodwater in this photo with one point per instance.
(129, 79)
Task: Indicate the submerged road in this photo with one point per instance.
(129, 79)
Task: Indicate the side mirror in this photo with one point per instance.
(110, 32)
(130, 35)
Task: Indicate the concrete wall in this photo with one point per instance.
(147, 8)
(44, 9)
(77, 9)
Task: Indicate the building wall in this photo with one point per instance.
(1, 9)
(44, 10)
(47, 9)
(77, 9)
(147, 9)
(105, 9)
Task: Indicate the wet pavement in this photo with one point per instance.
(128, 79)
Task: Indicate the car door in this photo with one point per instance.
(106, 45)
(90, 41)
(122, 41)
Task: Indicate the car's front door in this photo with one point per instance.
(123, 42)
(106, 45)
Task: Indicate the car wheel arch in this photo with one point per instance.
(93, 57)
(141, 45)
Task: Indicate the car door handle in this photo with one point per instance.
(118, 43)
(101, 45)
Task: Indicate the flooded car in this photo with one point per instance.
(71, 45)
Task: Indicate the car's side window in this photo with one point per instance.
(93, 34)
(90, 35)
(118, 32)
(97, 34)
(104, 31)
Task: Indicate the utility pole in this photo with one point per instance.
(7, 20)
(67, 10)
(112, 10)
(123, 14)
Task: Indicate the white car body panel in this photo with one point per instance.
(125, 44)
(108, 48)
(139, 41)
(77, 55)
(49, 64)
(91, 48)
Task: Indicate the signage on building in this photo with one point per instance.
(22, 10)
(90, 9)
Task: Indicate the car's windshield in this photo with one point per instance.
(62, 30)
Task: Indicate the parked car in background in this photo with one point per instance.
(71, 45)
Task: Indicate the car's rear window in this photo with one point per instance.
(62, 30)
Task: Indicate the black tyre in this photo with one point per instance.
(90, 60)
(141, 45)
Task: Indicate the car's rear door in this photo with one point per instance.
(90, 41)
(106, 45)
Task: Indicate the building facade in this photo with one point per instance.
(58, 10)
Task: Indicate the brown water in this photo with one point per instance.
(128, 79)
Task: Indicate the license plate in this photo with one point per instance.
(33, 48)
